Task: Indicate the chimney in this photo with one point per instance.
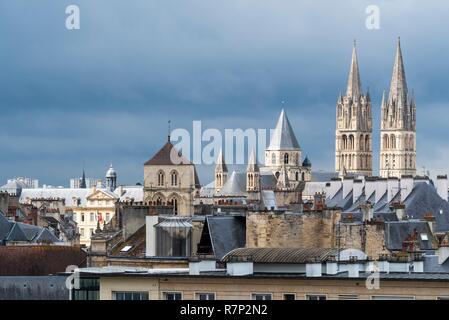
(195, 267)
(406, 185)
(381, 188)
(348, 184)
(443, 254)
(430, 220)
(150, 239)
(313, 269)
(354, 270)
(357, 190)
(332, 188)
(441, 187)
(399, 210)
(331, 267)
(367, 211)
(370, 186)
(239, 268)
(392, 188)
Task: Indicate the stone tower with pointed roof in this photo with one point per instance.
(284, 153)
(221, 172)
(398, 125)
(170, 179)
(353, 137)
(252, 174)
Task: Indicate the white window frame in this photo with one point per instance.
(199, 292)
(164, 294)
(315, 295)
(261, 293)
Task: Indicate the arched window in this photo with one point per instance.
(392, 142)
(411, 143)
(277, 174)
(351, 142)
(159, 201)
(285, 158)
(345, 142)
(303, 176)
(160, 178)
(174, 178)
(361, 142)
(273, 158)
(297, 176)
(174, 203)
(367, 143)
(385, 142)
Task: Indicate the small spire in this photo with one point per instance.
(252, 163)
(221, 165)
(83, 180)
(169, 130)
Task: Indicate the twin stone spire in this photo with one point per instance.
(354, 126)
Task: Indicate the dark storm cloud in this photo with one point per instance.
(104, 93)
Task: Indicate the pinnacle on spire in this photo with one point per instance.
(252, 163)
(354, 83)
(398, 87)
(221, 165)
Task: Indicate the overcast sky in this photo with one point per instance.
(103, 94)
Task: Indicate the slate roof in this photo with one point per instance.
(22, 232)
(223, 234)
(162, 157)
(424, 199)
(283, 136)
(282, 255)
(397, 231)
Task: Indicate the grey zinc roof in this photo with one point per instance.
(22, 232)
(5, 226)
(424, 199)
(283, 137)
(235, 185)
(282, 255)
(226, 233)
(397, 231)
(338, 202)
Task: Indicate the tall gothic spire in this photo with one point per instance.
(354, 84)
(398, 87)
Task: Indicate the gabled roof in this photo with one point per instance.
(225, 234)
(165, 156)
(283, 136)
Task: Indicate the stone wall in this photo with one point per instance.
(368, 237)
(315, 229)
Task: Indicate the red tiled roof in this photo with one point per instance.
(39, 260)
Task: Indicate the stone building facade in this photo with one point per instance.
(170, 179)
